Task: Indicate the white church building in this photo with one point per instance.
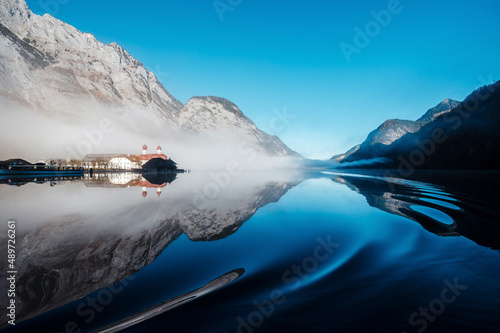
(121, 161)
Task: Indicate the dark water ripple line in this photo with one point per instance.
(441, 203)
(433, 190)
(416, 197)
(412, 189)
(459, 201)
(173, 303)
(453, 212)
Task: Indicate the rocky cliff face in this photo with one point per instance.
(217, 118)
(64, 73)
(59, 70)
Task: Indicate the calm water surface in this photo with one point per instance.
(259, 252)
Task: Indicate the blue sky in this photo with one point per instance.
(285, 57)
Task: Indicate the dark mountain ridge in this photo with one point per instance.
(465, 138)
(392, 129)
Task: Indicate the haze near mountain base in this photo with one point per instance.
(65, 94)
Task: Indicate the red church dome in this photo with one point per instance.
(158, 148)
(144, 147)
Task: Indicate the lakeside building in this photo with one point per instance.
(121, 161)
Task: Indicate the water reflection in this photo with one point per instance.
(91, 233)
(94, 232)
(20, 180)
(156, 181)
(444, 211)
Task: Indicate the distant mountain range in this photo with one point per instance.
(452, 135)
(63, 73)
(393, 129)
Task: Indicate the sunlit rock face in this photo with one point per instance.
(59, 70)
(218, 117)
(66, 74)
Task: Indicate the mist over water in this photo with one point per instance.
(35, 136)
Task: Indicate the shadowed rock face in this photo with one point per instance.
(341, 157)
(463, 138)
(31, 55)
(393, 129)
(70, 256)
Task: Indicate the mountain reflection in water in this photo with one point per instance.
(80, 239)
(444, 211)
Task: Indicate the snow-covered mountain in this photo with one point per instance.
(63, 73)
(393, 129)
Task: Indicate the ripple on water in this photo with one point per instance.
(441, 203)
(433, 213)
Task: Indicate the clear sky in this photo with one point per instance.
(305, 59)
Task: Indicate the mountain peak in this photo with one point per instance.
(225, 104)
(449, 103)
(445, 106)
(393, 129)
(216, 116)
(215, 99)
(473, 145)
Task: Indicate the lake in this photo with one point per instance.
(289, 251)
